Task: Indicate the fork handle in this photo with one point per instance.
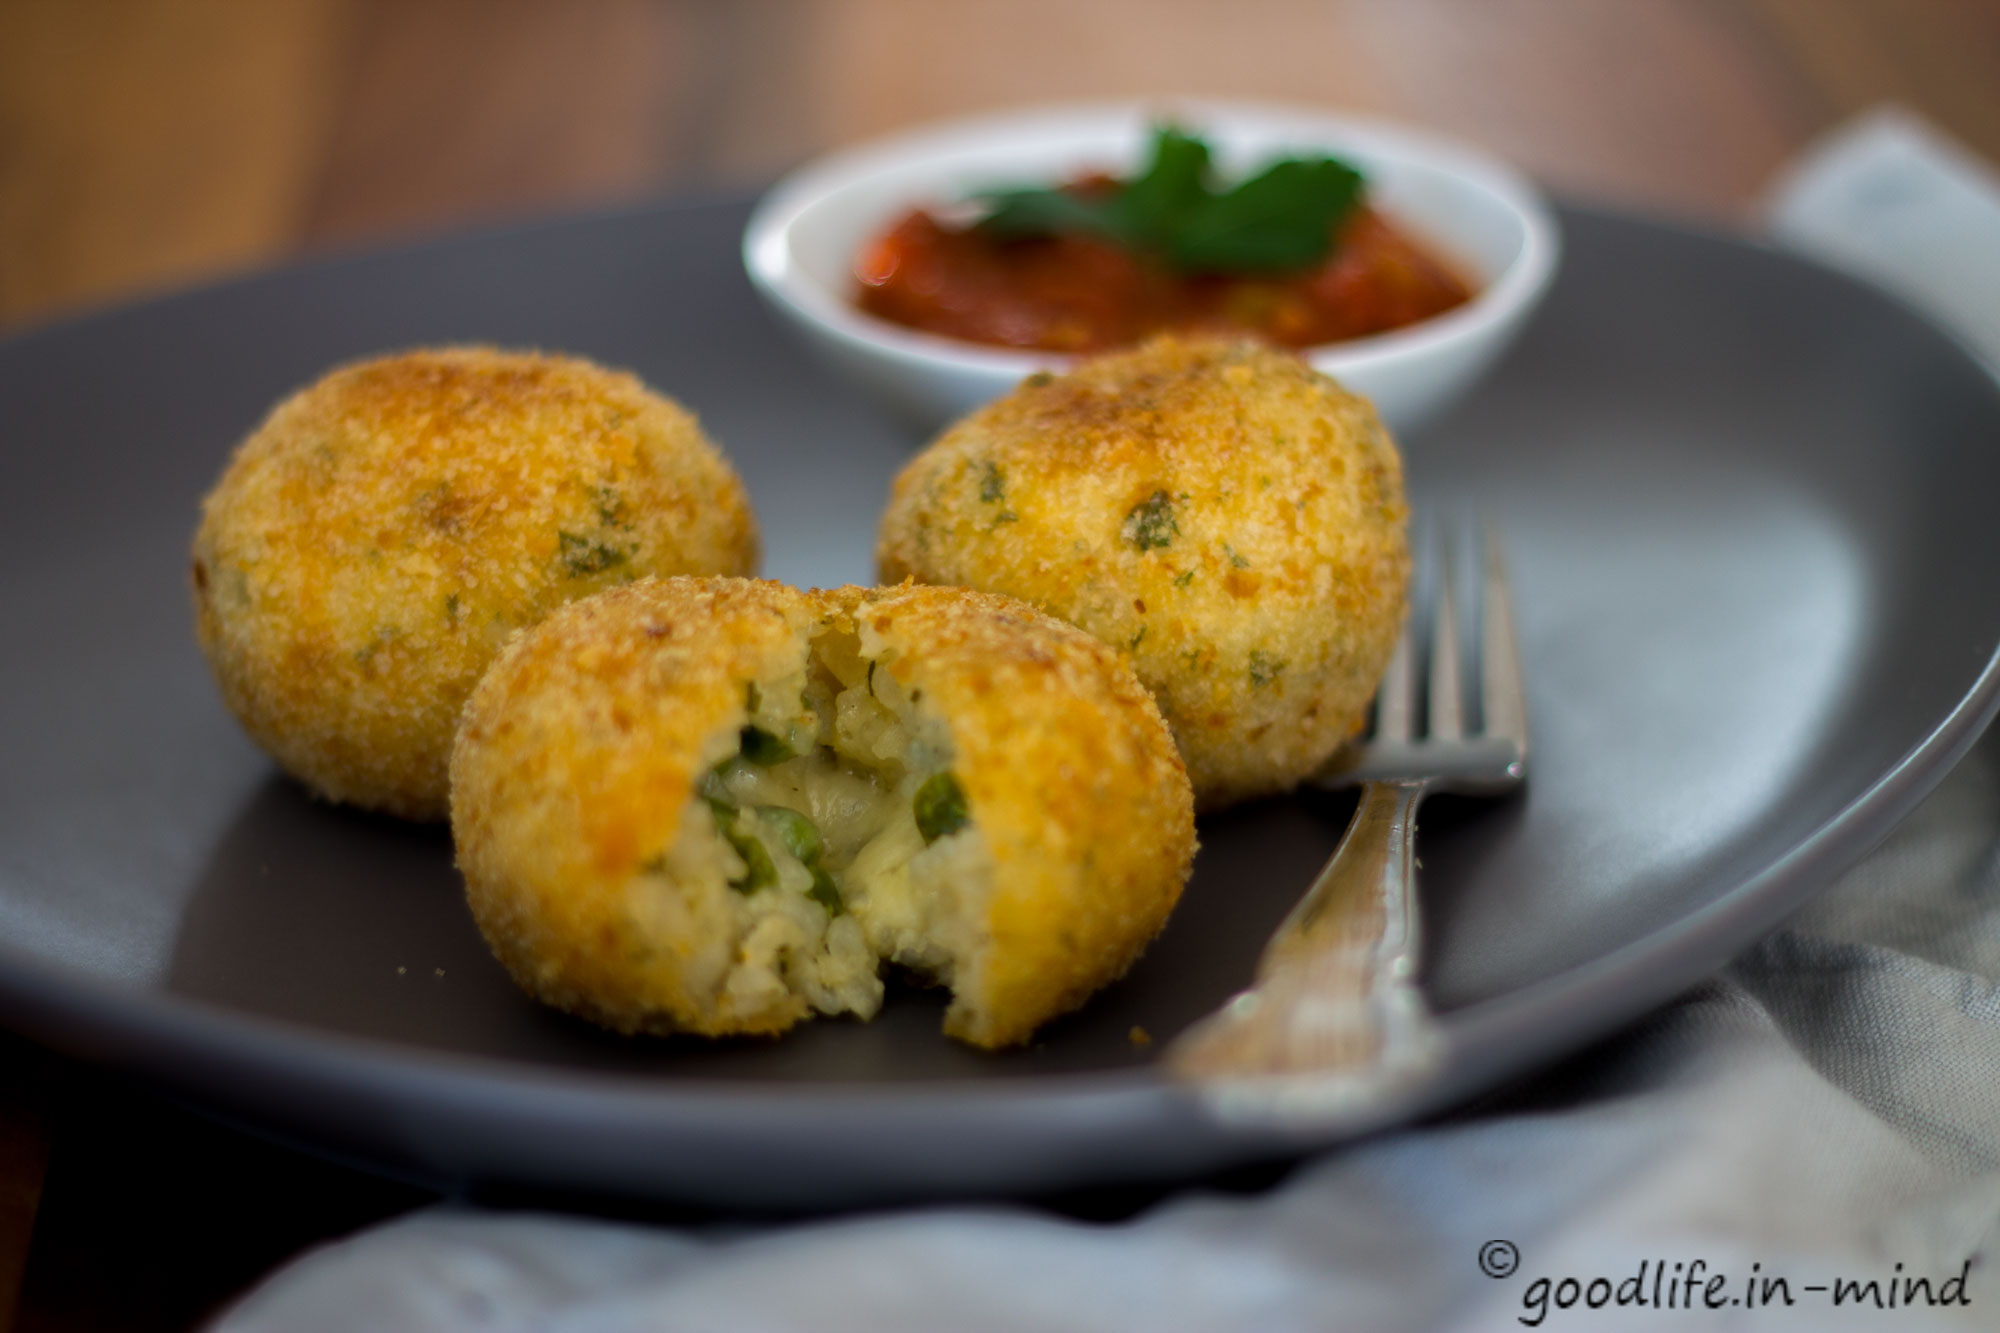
(1335, 1015)
(1364, 899)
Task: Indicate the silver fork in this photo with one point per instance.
(1334, 1027)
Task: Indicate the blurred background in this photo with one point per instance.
(157, 142)
(147, 144)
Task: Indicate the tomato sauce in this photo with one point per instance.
(1078, 293)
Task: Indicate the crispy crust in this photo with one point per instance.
(1227, 517)
(580, 749)
(376, 539)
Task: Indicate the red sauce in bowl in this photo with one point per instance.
(1080, 293)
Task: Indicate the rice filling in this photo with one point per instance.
(843, 835)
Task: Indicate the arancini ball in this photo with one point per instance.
(721, 806)
(376, 539)
(1225, 515)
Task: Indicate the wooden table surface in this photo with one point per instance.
(155, 143)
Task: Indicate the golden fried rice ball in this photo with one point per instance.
(1222, 513)
(373, 543)
(720, 806)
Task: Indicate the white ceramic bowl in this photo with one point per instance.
(802, 241)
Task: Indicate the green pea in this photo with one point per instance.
(712, 790)
(939, 806)
(799, 835)
(802, 839)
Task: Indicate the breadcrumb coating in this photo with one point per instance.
(605, 796)
(373, 543)
(1225, 516)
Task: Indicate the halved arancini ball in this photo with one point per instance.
(376, 539)
(720, 806)
(1226, 516)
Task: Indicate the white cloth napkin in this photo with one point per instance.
(1826, 1112)
(1891, 199)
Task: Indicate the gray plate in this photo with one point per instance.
(1748, 505)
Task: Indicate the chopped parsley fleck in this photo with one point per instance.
(583, 556)
(1138, 638)
(1185, 577)
(1234, 558)
(383, 637)
(610, 505)
(993, 491)
(1264, 669)
(1151, 524)
(939, 806)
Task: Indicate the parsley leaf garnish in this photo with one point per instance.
(1281, 218)
(1151, 207)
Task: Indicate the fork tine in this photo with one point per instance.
(1447, 692)
(1502, 702)
(1399, 687)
